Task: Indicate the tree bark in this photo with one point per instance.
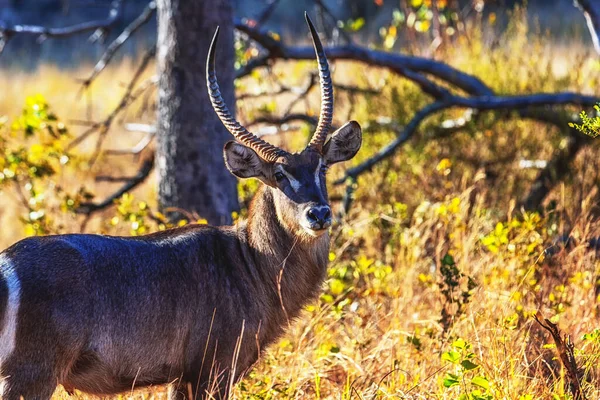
(190, 137)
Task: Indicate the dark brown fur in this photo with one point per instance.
(104, 314)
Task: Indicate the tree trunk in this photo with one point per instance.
(191, 172)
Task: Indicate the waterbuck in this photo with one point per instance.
(192, 307)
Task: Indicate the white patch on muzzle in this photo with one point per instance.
(8, 327)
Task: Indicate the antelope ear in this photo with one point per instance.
(243, 162)
(344, 143)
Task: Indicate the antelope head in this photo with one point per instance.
(297, 179)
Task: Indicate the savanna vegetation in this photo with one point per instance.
(437, 270)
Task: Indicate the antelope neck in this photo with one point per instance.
(295, 265)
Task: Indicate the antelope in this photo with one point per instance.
(191, 307)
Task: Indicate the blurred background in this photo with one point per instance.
(559, 18)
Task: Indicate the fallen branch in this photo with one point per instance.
(476, 103)
(480, 97)
(401, 64)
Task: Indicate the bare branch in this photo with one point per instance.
(480, 98)
(524, 101)
(127, 98)
(136, 24)
(397, 63)
(355, 89)
(143, 173)
(256, 62)
(334, 20)
(402, 138)
(302, 95)
(6, 32)
(281, 90)
(137, 149)
(477, 103)
(287, 89)
(267, 12)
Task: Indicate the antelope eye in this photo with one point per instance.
(279, 176)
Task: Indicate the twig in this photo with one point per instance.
(7, 32)
(401, 138)
(311, 83)
(267, 12)
(104, 126)
(334, 20)
(143, 173)
(136, 24)
(135, 150)
(112, 179)
(283, 89)
(565, 349)
(82, 122)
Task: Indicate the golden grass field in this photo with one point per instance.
(396, 320)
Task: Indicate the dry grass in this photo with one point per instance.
(388, 315)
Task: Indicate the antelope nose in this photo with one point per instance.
(319, 217)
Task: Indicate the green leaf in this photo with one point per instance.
(468, 365)
(459, 344)
(451, 356)
(448, 260)
(450, 380)
(481, 382)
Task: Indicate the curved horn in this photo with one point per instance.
(265, 150)
(326, 115)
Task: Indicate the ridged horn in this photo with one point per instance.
(326, 114)
(265, 150)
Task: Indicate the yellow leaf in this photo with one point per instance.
(337, 287)
(36, 153)
(422, 26)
